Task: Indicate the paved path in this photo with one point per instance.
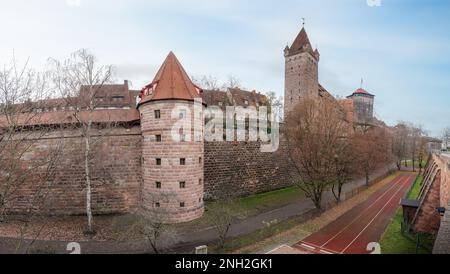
(188, 241)
(364, 224)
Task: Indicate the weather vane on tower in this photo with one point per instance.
(303, 21)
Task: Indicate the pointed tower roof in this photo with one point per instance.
(301, 43)
(171, 82)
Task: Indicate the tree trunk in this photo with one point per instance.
(88, 179)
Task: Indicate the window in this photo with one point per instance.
(182, 113)
(158, 184)
(220, 104)
(200, 160)
(157, 114)
(200, 181)
(199, 200)
(183, 137)
(182, 184)
(183, 161)
(182, 204)
(158, 161)
(157, 205)
(158, 138)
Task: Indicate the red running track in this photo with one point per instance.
(352, 232)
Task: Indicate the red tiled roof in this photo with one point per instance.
(67, 117)
(171, 82)
(362, 91)
(300, 42)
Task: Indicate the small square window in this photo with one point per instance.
(157, 114)
(200, 181)
(182, 113)
(158, 184)
(183, 137)
(158, 138)
(182, 184)
(183, 161)
(157, 205)
(158, 161)
(182, 204)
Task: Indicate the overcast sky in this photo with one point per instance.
(400, 48)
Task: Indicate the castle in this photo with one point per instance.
(302, 79)
(152, 168)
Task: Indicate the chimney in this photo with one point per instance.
(125, 82)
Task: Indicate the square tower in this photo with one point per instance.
(301, 71)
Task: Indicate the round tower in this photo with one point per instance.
(172, 127)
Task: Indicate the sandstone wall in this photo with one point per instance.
(236, 169)
(116, 173)
(169, 187)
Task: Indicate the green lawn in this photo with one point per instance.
(393, 242)
(270, 200)
(253, 205)
(409, 162)
(414, 193)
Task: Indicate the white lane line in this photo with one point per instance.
(373, 219)
(318, 247)
(308, 246)
(325, 252)
(364, 211)
(277, 248)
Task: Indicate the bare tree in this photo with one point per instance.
(149, 224)
(400, 143)
(21, 89)
(79, 79)
(221, 215)
(206, 82)
(232, 82)
(346, 166)
(416, 135)
(314, 132)
(276, 105)
(373, 150)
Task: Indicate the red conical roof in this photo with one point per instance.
(171, 82)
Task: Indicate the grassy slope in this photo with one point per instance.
(393, 242)
(414, 193)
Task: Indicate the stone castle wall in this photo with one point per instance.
(116, 174)
(231, 169)
(236, 169)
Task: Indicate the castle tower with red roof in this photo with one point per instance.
(301, 71)
(173, 152)
(363, 103)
